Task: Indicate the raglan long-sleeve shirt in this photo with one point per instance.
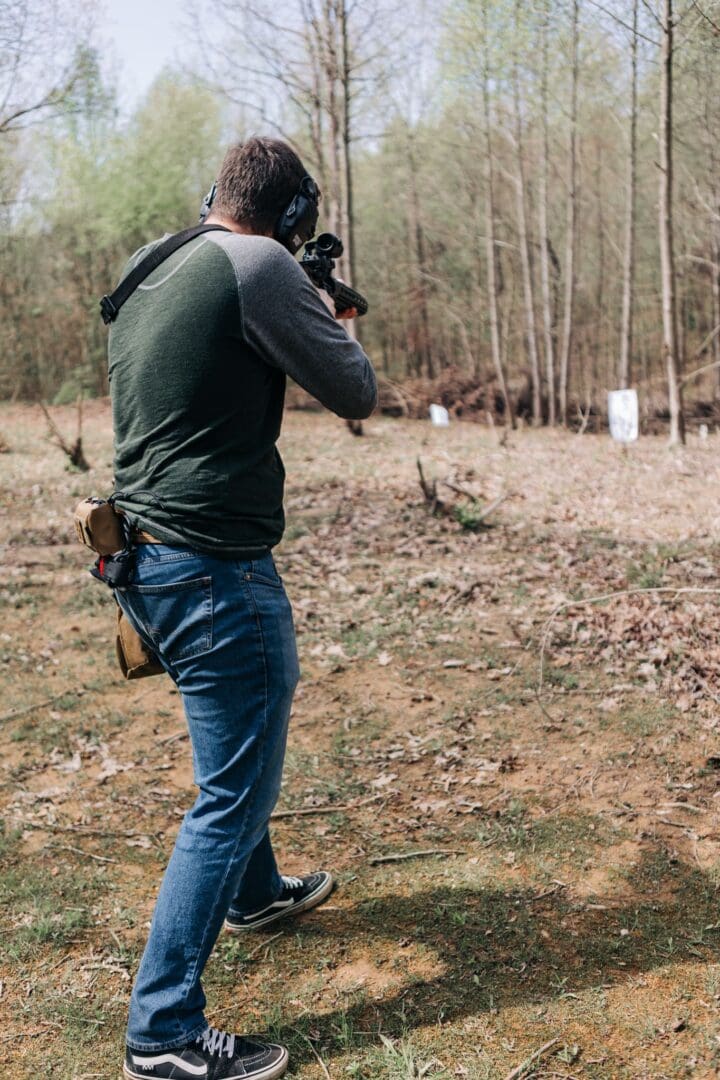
(198, 359)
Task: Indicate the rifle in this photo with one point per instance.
(318, 262)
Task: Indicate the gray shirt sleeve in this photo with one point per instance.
(286, 322)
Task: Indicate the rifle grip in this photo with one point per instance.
(345, 297)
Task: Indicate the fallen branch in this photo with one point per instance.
(583, 417)
(263, 945)
(430, 492)
(330, 809)
(81, 830)
(79, 851)
(557, 885)
(514, 1074)
(401, 856)
(459, 490)
(74, 452)
(464, 593)
(320, 1061)
(28, 1034)
(673, 824)
(14, 713)
(487, 510)
(437, 506)
(175, 737)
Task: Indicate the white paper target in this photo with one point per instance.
(623, 415)
(439, 416)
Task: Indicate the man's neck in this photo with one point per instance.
(231, 224)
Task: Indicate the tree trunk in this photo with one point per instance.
(715, 250)
(334, 109)
(347, 217)
(492, 284)
(667, 256)
(571, 226)
(626, 333)
(548, 321)
(528, 297)
(315, 90)
(596, 340)
(348, 234)
(477, 295)
(421, 276)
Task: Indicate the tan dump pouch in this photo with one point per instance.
(135, 659)
(98, 526)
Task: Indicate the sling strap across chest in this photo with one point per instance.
(110, 305)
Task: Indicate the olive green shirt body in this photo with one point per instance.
(198, 359)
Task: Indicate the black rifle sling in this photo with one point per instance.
(110, 305)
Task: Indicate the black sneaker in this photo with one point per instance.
(298, 894)
(213, 1056)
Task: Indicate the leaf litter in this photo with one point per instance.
(419, 642)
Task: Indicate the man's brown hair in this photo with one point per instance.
(257, 181)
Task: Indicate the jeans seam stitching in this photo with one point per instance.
(262, 649)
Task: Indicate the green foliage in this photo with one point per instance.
(470, 515)
(100, 188)
(78, 196)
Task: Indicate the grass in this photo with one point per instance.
(46, 903)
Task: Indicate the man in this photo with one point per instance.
(198, 360)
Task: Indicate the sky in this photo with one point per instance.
(142, 36)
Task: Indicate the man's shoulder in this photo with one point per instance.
(191, 255)
(255, 257)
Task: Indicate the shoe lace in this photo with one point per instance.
(218, 1042)
(293, 882)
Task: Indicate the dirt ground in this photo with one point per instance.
(502, 745)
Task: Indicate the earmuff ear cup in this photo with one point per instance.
(297, 224)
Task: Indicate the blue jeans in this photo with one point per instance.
(223, 630)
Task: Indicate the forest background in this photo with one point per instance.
(506, 742)
(528, 192)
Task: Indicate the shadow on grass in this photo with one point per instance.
(510, 948)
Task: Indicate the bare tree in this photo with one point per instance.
(318, 53)
(571, 222)
(521, 189)
(490, 216)
(667, 254)
(421, 277)
(41, 47)
(626, 333)
(547, 306)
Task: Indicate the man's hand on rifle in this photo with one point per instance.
(348, 313)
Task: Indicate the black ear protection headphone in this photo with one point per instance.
(296, 225)
(207, 203)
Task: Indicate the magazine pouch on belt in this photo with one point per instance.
(99, 526)
(135, 659)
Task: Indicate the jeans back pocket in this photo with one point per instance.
(177, 617)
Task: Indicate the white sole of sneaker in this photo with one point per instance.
(278, 1068)
(323, 890)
